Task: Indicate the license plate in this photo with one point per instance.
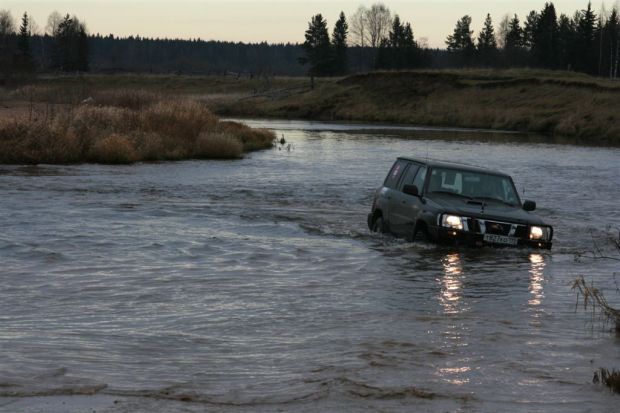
(500, 239)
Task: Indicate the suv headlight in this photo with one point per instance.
(539, 233)
(453, 221)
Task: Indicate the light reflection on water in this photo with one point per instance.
(255, 285)
(451, 283)
(537, 279)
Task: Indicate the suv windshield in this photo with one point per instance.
(473, 185)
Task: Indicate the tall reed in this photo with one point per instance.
(126, 127)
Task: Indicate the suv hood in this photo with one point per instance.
(491, 211)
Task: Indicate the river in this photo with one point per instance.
(255, 285)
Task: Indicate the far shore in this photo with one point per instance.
(561, 107)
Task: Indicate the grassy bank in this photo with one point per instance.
(563, 106)
(559, 104)
(56, 125)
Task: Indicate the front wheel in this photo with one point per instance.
(419, 233)
(378, 225)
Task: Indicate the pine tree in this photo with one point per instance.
(586, 47)
(514, 37)
(460, 43)
(23, 42)
(566, 43)
(515, 43)
(397, 34)
(531, 22)
(399, 50)
(412, 53)
(317, 48)
(82, 50)
(545, 39)
(339, 43)
(24, 61)
(71, 46)
(487, 45)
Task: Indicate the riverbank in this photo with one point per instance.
(563, 106)
(555, 104)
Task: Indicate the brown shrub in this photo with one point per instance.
(183, 119)
(252, 139)
(172, 130)
(99, 121)
(37, 142)
(150, 146)
(126, 98)
(218, 146)
(114, 149)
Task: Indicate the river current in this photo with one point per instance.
(255, 285)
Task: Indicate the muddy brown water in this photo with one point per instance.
(254, 285)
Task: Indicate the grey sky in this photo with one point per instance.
(268, 20)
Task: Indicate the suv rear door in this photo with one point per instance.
(390, 189)
(406, 208)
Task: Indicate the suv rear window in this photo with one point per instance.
(419, 179)
(391, 181)
(409, 175)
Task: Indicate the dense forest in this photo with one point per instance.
(371, 38)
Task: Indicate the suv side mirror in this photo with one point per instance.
(529, 205)
(411, 190)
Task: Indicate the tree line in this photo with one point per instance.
(584, 42)
(65, 46)
(371, 38)
(376, 35)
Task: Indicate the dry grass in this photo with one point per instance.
(594, 300)
(610, 379)
(566, 106)
(124, 127)
(563, 106)
(592, 297)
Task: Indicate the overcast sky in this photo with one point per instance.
(273, 21)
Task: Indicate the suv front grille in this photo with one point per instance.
(482, 226)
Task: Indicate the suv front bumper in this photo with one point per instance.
(456, 237)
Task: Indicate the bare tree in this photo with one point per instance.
(7, 29)
(358, 27)
(615, 76)
(34, 27)
(615, 70)
(603, 16)
(379, 21)
(7, 25)
(53, 21)
(502, 31)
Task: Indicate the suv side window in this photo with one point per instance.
(409, 175)
(419, 179)
(397, 170)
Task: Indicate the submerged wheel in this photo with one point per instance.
(378, 225)
(419, 233)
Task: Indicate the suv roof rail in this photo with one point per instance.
(444, 162)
